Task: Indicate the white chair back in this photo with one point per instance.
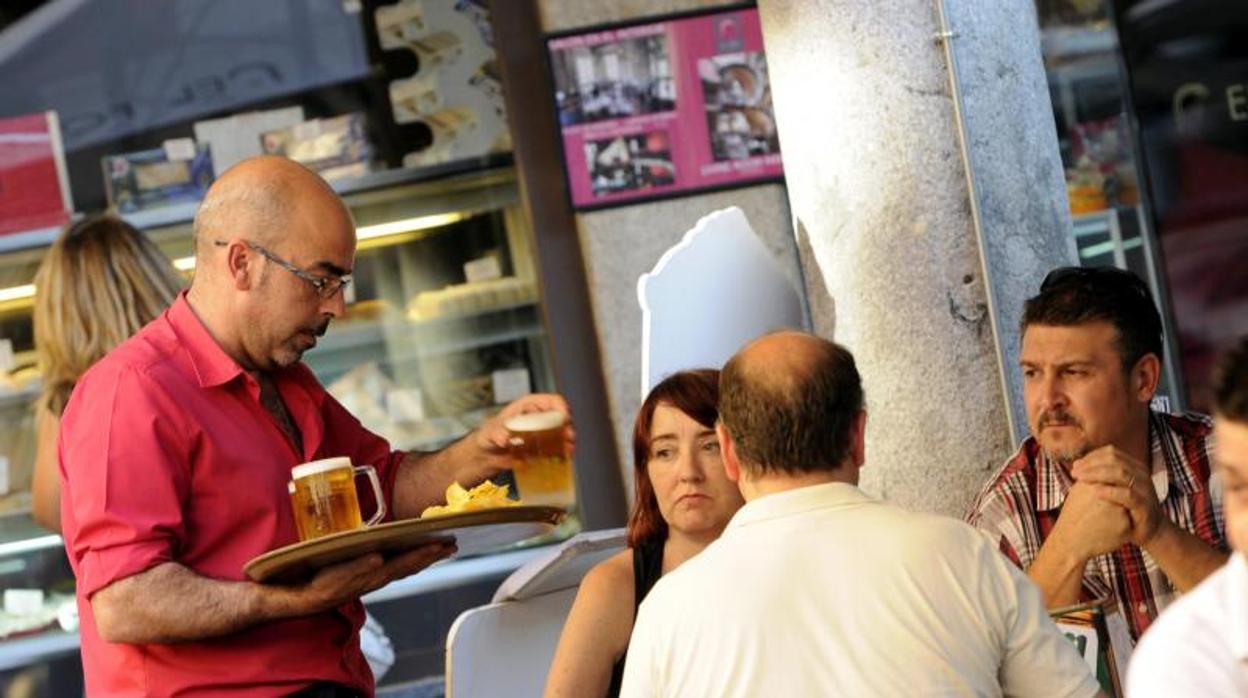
(504, 648)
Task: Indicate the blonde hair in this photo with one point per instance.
(99, 283)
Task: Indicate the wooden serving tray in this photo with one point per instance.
(474, 532)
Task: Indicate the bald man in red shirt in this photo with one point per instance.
(176, 448)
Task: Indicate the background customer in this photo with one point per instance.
(99, 282)
(1108, 498)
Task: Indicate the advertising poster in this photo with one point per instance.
(666, 107)
(34, 192)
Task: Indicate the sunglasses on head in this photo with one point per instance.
(1107, 278)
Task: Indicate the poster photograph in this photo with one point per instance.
(664, 108)
(630, 163)
(615, 80)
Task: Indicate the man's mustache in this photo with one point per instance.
(321, 329)
(1058, 418)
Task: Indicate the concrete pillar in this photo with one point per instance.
(1011, 144)
(885, 218)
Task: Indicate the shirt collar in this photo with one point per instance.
(212, 365)
(1053, 482)
(799, 500)
(1158, 436)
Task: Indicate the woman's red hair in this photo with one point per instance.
(694, 392)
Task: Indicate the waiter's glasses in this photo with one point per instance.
(324, 286)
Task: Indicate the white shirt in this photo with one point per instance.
(1199, 645)
(824, 591)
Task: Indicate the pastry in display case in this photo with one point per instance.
(336, 147)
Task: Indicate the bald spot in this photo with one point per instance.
(780, 364)
(256, 199)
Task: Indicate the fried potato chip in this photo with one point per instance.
(487, 495)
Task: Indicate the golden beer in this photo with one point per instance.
(540, 460)
(324, 499)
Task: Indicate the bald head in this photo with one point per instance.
(780, 363)
(274, 244)
(256, 199)
(789, 401)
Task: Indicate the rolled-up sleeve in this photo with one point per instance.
(123, 479)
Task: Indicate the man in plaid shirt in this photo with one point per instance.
(1107, 498)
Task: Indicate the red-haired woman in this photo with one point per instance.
(683, 501)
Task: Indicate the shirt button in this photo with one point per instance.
(1143, 607)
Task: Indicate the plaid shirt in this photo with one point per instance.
(1021, 502)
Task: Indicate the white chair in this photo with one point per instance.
(712, 292)
(505, 647)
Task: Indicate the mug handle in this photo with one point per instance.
(371, 472)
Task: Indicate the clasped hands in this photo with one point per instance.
(1112, 502)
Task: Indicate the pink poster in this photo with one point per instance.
(662, 108)
(34, 192)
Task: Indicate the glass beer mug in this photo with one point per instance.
(323, 497)
(540, 460)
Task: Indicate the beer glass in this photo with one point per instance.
(322, 494)
(540, 459)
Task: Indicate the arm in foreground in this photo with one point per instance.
(423, 477)
(1087, 526)
(170, 603)
(596, 632)
(1124, 481)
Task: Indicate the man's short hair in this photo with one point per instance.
(795, 420)
(1231, 394)
(1071, 296)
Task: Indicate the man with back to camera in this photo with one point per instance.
(176, 449)
(1199, 646)
(817, 589)
(1107, 498)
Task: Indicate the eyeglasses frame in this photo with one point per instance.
(323, 286)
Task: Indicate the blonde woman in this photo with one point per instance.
(98, 284)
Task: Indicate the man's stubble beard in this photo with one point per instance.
(1071, 453)
(319, 330)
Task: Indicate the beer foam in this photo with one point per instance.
(536, 421)
(319, 466)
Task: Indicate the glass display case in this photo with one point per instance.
(442, 322)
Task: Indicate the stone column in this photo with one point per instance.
(886, 222)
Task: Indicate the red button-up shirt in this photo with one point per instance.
(168, 455)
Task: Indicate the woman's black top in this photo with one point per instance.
(647, 568)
